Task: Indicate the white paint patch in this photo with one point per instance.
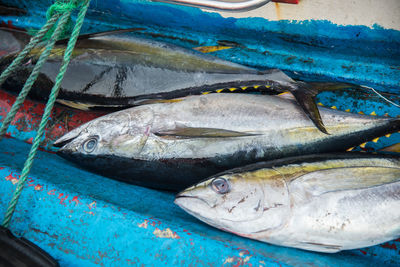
(385, 13)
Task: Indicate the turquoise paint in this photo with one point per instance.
(111, 231)
(317, 50)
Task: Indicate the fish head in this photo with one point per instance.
(117, 134)
(243, 203)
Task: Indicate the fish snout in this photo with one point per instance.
(65, 139)
(189, 201)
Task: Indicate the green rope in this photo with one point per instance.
(33, 76)
(32, 43)
(61, 7)
(47, 112)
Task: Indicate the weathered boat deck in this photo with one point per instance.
(83, 219)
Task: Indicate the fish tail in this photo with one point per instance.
(20, 36)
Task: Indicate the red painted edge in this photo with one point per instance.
(287, 1)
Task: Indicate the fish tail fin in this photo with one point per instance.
(13, 40)
(305, 94)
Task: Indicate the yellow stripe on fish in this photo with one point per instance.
(211, 48)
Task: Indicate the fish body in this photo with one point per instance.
(123, 70)
(174, 145)
(113, 70)
(324, 203)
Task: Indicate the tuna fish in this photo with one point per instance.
(174, 145)
(111, 70)
(325, 203)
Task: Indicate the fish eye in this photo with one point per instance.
(220, 185)
(90, 144)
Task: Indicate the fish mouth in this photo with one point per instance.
(62, 141)
(180, 196)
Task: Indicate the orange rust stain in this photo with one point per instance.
(52, 192)
(13, 179)
(62, 199)
(92, 205)
(75, 199)
(166, 233)
(144, 224)
(278, 11)
(38, 187)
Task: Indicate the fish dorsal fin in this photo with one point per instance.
(98, 34)
(182, 131)
(339, 179)
(305, 94)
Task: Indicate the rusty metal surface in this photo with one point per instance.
(27, 120)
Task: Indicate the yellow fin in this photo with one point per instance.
(78, 105)
(392, 148)
(155, 101)
(373, 113)
(333, 107)
(388, 135)
(232, 89)
(347, 110)
(350, 149)
(320, 104)
(361, 112)
(375, 140)
(212, 48)
(244, 87)
(219, 90)
(363, 145)
(256, 86)
(206, 93)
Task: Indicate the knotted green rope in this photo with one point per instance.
(50, 103)
(61, 7)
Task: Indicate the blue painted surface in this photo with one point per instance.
(305, 49)
(105, 224)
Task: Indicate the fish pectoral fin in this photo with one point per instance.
(321, 247)
(209, 49)
(98, 34)
(188, 132)
(156, 101)
(90, 106)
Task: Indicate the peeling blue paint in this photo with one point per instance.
(314, 49)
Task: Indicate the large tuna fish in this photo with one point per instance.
(323, 203)
(115, 70)
(174, 145)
